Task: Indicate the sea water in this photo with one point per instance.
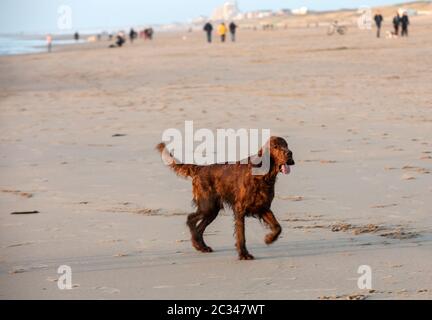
(10, 45)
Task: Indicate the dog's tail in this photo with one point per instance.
(183, 170)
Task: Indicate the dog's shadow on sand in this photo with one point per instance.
(291, 249)
(281, 250)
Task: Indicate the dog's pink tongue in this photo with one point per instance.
(286, 169)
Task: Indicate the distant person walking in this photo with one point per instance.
(222, 30)
(208, 28)
(148, 33)
(76, 36)
(132, 35)
(378, 21)
(396, 23)
(404, 24)
(232, 28)
(49, 42)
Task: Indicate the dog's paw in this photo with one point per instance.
(246, 256)
(269, 239)
(206, 249)
(201, 247)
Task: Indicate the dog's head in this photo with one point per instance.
(281, 156)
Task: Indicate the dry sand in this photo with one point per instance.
(356, 110)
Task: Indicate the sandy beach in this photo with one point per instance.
(78, 131)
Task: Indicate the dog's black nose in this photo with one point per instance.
(291, 162)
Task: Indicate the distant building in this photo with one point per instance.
(258, 14)
(283, 12)
(264, 13)
(364, 19)
(410, 12)
(227, 11)
(240, 16)
(199, 20)
(300, 11)
(424, 13)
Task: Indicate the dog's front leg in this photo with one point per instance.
(241, 240)
(274, 225)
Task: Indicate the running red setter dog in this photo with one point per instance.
(235, 185)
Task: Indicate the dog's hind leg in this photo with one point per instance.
(208, 218)
(192, 221)
(206, 213)
(274, 225)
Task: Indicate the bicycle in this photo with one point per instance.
(335, 27)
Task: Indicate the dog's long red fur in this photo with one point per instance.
(235, 185)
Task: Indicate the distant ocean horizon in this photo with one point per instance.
(14, 45)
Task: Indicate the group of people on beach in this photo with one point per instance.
(146, 34)
(222, 31)
(399, 22)
(119, 39)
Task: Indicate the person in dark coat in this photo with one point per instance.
(396, 23)
(404, 24)
(120, 39)
(378, 21)
(150, 33)
(208, 28)
(132, 35)
(232, 29)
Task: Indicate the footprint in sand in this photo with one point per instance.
(409, 176)
(416, 169)
(318, 160)
(22, 269)
(121, 254)
(198, 284)
(19, 269)
(327, 161)
(108, 290)
(292, 198)
(390, 168)
(426, 155)
(18, 193)
(19, 244)
(354, 296)
(163, 287)
(110, 241)
(318, 150)
(400, 234)
(384, 205)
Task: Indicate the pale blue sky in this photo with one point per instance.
(36, 16)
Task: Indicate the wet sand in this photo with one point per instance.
(78, 130)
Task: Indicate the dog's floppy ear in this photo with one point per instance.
(264, 149)
(262, 161)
